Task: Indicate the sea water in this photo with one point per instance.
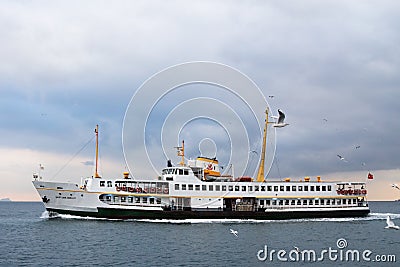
(29, 237)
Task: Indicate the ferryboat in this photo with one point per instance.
(196, 189)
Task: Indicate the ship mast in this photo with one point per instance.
(96, 174)
(181, 153)
(260, 175)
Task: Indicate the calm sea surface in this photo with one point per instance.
(29, 238)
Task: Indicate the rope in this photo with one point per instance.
(74, 156)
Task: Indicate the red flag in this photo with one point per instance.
(370, 176)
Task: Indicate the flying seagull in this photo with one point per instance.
(281, 120)
(390, 224)
(396, 186)
(234, 232)
(342, 158)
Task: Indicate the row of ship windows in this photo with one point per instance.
(256, 188)
(282, 202)
(124, 199)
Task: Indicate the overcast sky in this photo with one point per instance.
(332, 66)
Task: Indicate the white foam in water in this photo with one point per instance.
(370, 217)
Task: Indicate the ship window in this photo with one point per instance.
(237, 188)
(304, 201)
(256, 188)
(263, 188)
(287, 202)
(300, 188)
(102, 183)
(217, 187)
(293, 188)
(354, 201)
(190, 187)
(176, 186)
(185, 172)
(311, 188)
(310, 202)
(328, 202)
(276, 188)
(317, 188)
(306, 188)
(123, 199)
(158, 200)
(137, 199)
(324, 188)
(338, 202)
(197, 187)
(349, 201)
(230, 188)
(151, 200)
(244, 188)
(204, 187)
(210, 188)
(269, 188)
(250, 188)
(130, 199)
(299, 202)
(316, 202)
(293, 202)
(322, 202)
(281, 202)
(116, 199)
(224, 188)
(274, 202)
(267, 202)
(144, 200)
(282, 188)
(344, 201)
(288, 188)
(329, 188)
(183, 187)
(262, 202)
(109, 183)
(180, 172)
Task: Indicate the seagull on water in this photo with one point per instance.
(281, 120)
(234, 232)
(390, 224)
(396, 186)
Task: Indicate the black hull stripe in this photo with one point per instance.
(259, 215)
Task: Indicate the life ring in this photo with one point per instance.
(364, 192)
(117, 188)
(130, 189)
(166, 191)
(139, 190)
(152, 190)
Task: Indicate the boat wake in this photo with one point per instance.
(49, 215)
(370, 217)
